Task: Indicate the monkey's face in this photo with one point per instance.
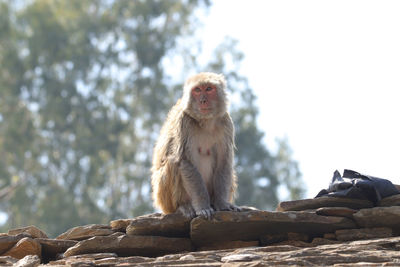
(205, 98)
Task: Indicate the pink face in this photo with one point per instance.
(205, 96)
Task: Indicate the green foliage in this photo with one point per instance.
(83, 92)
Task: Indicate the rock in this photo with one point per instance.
(26, 246)
(270, 239)
(170, 225)
(8, 241)
(250, 226)
(52, 247)
(77, 258)
(323, 241)
(87, 231)
(331, 236)
(230, 245)
(377, 252)
(187, 257)
(120, 225)
(336, 211)
(320, 202)
(390, 201)
(131, 245)
(298, 237)
(7, 261)
(135, 259)
(364, 233)
(33, 231)
(241, 257)
(28, 261)
(379, 217)
(266, 240)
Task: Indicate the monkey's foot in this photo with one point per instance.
(187, 211)
(226, 207)
(207, 212)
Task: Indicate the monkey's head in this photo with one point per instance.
(204, 95)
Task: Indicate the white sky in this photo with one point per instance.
(327, 75)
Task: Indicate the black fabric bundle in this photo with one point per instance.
(355, 185)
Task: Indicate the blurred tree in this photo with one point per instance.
(83, 92)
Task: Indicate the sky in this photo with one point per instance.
(327, 76)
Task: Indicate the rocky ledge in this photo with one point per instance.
(323, 231)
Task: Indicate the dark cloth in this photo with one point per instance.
(356, 185)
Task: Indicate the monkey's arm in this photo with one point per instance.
(195, 188)
(224, 183)
(224, 178)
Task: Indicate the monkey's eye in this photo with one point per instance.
(197, 89)
(209, 89)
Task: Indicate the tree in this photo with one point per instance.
(83, 93)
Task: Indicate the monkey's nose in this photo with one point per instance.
(203, 99)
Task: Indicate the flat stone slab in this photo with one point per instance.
(8, 241)
(379, 217)
(28, 261)
(320, 202)
(250, 226)
(33, 231)
(336, 211)
(86, 231)
(390, 201)
(120, 225)
(24, 247)
(52, 247)
(170, 225)
(377, 252)
(363, 233)
(131, 245)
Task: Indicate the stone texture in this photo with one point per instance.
(78, 258)
(7, 261)
(249, 226)
(28, 261)
(315, 203)
(379, 217)
(8, 241)
(131, 245)
(322, 241)
(120, 224)
(227, 239)
(270, 239)
(240, 257)
(52, 247)
(33, 231)
(390, 201)
(364, 233)
(170, 225)
(230, 245)
(336, 211)
(377, 252)
(331, 236)
(26, 246)
(87, 231)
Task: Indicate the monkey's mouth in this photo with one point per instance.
(205, 110)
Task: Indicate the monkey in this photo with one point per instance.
(192, 167)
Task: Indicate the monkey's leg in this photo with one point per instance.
(196, 189)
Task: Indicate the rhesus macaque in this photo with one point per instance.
(192, 170)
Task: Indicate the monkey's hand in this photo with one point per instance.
(225, 206)
(205, 212)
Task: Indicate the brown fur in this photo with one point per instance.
(182, 127)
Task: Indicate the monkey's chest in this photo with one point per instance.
(203, 157)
